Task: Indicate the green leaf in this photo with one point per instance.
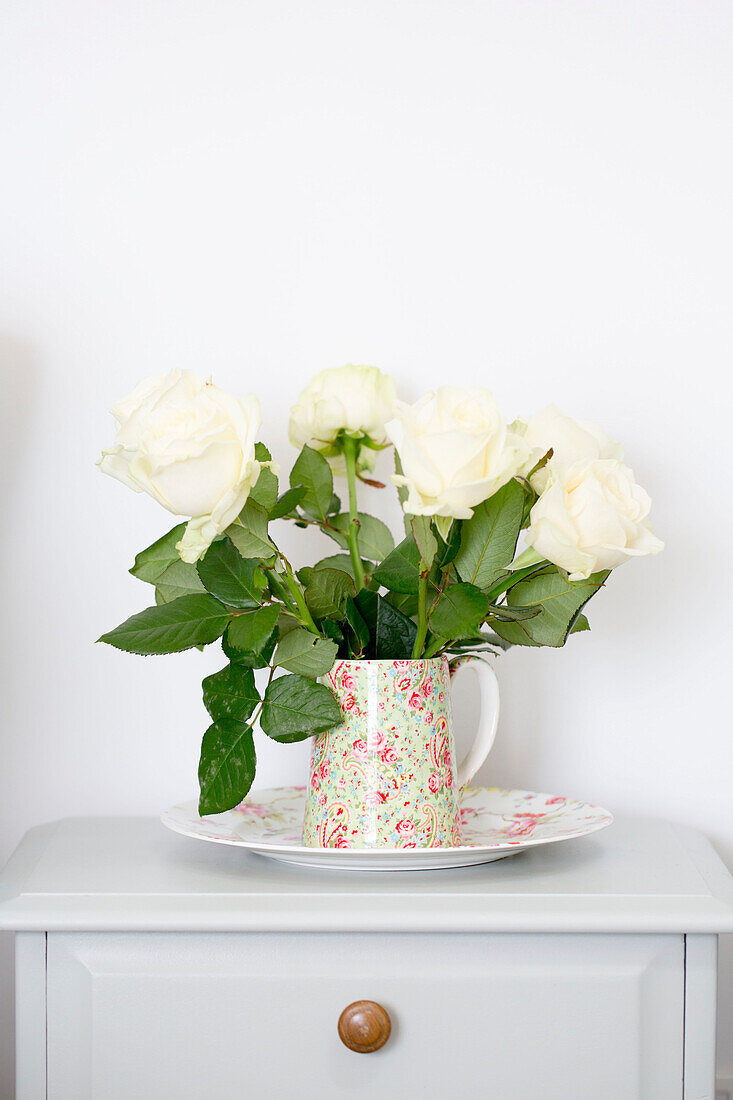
(288, 502)
(402, 493)
(227, 766)
(342, 562)
(528, 558)
(375, 538)
(236, 581)
(231, 693)
(250, 638)
(509, 614)
(560, 602)
(580, 624)
(264, 491)
(151, 563)
(459, 611)
(400, 570)
(448, 547)
(484, 642)
(406, 603)
(262, 454)
(333, 631)
(326, 592)
(249, 532)
(489, 538)
(296, 707)
(305, 653)
(179, 579)
(357, 635)
(508, 580)
(392, 634)
(171, 627)
(426, 541)
(286, 622)
(312, 472)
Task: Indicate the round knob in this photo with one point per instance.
(364, 1026)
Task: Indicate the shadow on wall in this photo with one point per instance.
(19, 382)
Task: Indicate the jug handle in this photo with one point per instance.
(488, 716)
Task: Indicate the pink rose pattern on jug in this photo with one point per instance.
(386, 776)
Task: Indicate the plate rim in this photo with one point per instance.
(409, 853)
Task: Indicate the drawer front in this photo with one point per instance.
(152, 1016)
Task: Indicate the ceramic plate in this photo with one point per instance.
(494, 823)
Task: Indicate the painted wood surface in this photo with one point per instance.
(134, 875)
(186, 1015)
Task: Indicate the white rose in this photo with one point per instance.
(455, 451)
(571, 441)
(191, 447)
(352, 400)
(594, 516)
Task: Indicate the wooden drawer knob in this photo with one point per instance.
(364, 1026)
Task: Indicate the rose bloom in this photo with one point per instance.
(571, 441)
(435, 782)
(352, 400)
(426, 688)
(595, 516)
(389, 756)
(455, 450)
(341, 842)
(325, 771)
(405, 827)
(359, 749)
(322, 799)
(416, 701)
(191, 447)
(348, 702)
(347, 681)
(315, 782)
(375, 798)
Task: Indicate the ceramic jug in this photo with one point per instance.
(387, 776)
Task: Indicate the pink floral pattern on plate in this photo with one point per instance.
(492, 820)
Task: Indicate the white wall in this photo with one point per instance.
(530, 195)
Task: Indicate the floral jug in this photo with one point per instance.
(387, 776)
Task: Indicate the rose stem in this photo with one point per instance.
(422, 611)
(352, 535)
(305, 616)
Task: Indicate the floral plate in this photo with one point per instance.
(494, 823)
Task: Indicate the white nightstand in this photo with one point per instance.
(153, 967)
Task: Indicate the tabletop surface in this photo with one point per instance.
(133, 874)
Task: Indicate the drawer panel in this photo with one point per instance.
(153, 1016)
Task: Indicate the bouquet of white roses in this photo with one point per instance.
(470, 485)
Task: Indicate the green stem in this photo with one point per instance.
(251, 721)
(281, 590)
(434, 646)
(351, 451)
(422, 612)
(305, 616)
